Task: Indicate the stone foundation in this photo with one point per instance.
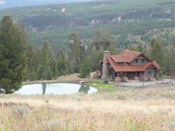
(144, 78)
(136, 78)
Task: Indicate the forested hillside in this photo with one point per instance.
(71, 38)
(129, 21)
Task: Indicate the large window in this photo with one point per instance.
(149, 72)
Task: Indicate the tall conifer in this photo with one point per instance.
(157, 54)
(12, 55)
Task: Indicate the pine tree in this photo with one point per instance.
(98, 58)
(61, 63)
(45, 71)
(102, 38)
(157, 54)
(84, 68)
(141, 48)
(74, 50)
(12, 55)
(112, 49)
(133, 48)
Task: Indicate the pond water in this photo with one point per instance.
(55, 88)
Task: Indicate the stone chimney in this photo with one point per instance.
(105, 69)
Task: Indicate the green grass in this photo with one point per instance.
(103, 87)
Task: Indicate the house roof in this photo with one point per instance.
(130, 68)
(127, 57)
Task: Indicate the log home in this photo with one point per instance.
(130, 65)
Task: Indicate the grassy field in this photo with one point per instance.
(124, 110)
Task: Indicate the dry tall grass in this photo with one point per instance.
(127, 109)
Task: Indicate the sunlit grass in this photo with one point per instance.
(103, 87)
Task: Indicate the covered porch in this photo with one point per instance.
(128, 75)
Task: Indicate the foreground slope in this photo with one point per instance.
(127, 109)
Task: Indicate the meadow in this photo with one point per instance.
(126, 109)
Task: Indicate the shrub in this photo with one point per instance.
(124, 79)
(136, 126)
(52, 125)
(19, 110)
(105, 80)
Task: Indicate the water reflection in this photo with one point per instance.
(84, 89)
(44, 88)
(55, 88)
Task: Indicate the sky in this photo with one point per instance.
(18, 3)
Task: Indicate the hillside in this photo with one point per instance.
(129, 21)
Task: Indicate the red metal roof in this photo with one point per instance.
(127, 57)
(131, 68)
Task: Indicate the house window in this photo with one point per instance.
(149, 72)
(142, 60)
(136, 60)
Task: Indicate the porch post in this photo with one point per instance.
(117, 74)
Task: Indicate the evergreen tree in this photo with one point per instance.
(74, 50)
(84, 68)
(29, 57)
(157, 54)
(61, 63)
(133, 48)
(12, 55)
(141, 48)
(98, 58)
(92, 56)
(170, 61)
(45, 71)
(49, 48)
(54, 69)
(112, 49)
(102, 38)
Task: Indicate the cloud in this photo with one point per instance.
(2, 2)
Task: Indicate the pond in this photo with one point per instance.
(55, 88)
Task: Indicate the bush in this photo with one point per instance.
(19, 110)
(105, 80)
(52, 125)
(124, 79)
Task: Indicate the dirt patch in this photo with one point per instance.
(72, 78)
(11, 104)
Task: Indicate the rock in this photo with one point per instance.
(81, 82)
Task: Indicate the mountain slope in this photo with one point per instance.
(129, 21)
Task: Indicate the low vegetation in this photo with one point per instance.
(102, 87)
(124, 110)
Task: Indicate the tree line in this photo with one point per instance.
(21, 61)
